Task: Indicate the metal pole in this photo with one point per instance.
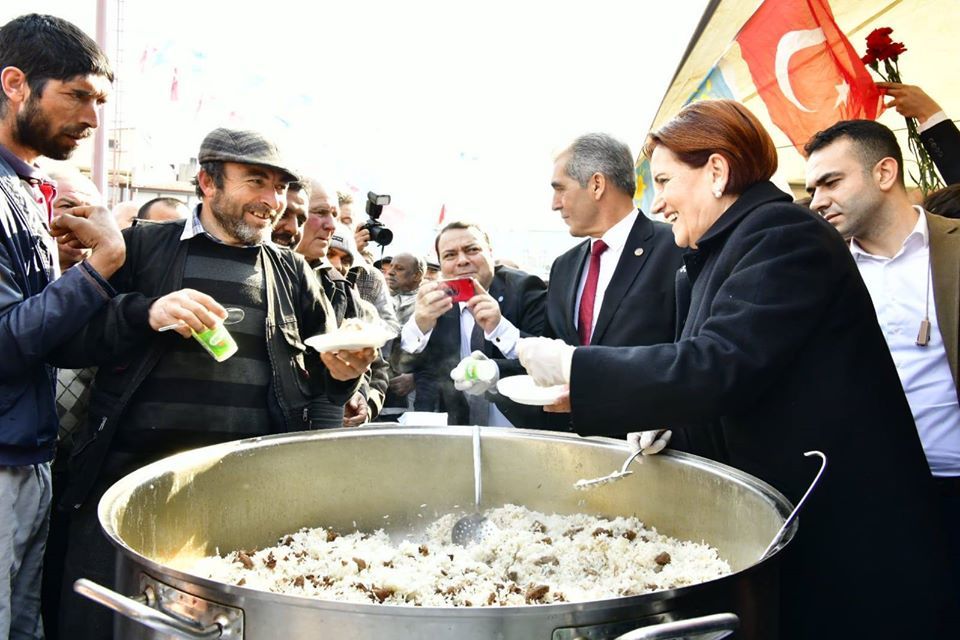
(100, 136)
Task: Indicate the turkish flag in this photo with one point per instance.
(805, 70)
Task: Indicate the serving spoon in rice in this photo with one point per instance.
(473, 527)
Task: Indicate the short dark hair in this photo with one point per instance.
(49, 48)
(719, 126)
(214, 169)
(145, 207)
(419, 263)
(944, 202)
(459, 224)
(871, 140)
(300, 186)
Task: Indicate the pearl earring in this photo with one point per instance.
(717, 192)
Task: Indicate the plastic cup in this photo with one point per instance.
(217, 341)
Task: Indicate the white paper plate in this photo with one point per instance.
(349, 340)
(524, 390)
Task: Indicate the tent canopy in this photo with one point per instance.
(926, 27)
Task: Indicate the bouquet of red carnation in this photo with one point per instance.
(882, 48)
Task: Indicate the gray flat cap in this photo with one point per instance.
(245, 147)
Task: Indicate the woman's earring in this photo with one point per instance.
(717, 192)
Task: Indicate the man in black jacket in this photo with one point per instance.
(156, 393)
(636, 261)
(506, 303)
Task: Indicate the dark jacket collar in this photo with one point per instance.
(755, 195)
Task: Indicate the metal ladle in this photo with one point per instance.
(613, 477)
(472, 527)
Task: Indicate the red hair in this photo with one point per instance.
(719, 126)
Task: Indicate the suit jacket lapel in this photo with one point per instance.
(570, 294)
(626, 272)
(945, 267)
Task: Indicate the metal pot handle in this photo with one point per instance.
(147, 616)
(712, 627)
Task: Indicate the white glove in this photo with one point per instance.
(475, 374)
(547, 361)
(649, 442)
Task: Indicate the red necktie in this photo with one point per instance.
(589, 297)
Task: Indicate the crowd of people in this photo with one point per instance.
(742, 326)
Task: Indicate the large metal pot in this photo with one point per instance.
(247, 494)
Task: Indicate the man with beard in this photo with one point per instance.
(157, 393)
(53, 78)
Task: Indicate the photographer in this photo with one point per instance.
(373, 230)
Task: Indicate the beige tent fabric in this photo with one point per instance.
(930, 29)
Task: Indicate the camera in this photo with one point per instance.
(379, 233)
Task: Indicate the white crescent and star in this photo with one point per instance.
(790, 43)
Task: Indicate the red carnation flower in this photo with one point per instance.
(879, 38)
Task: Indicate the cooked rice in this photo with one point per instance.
(525, 558)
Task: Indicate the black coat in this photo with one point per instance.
(639, 304)
(521, 297)
(781, 353)
(942, 142)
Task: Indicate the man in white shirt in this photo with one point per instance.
(617, 287)
(505, 302)
(909, 261)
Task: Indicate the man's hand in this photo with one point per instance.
(909, 101)
(401, 384)
(469, 376)
(188, 309)
(547, 361)
(485, 310)
(562, 405)
(431, 303)
(356, 412)
(93, 228)
(346, 365)
(362, 237)
(649, 442)
(70, 256)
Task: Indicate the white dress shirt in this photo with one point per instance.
(899, 287)
(615, 239)
(412, 340)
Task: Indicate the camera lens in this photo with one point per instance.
(381, 235)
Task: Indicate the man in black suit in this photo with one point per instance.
(633, 301)
(506, 304)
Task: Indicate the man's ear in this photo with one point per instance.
(597, 185)
(207, 185)
(14, 84)
(886, 173)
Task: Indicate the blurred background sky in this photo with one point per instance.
(449, 104)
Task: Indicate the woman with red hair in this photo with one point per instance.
(780, 353)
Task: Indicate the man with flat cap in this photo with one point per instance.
(157, 391)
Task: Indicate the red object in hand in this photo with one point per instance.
(460, 289)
